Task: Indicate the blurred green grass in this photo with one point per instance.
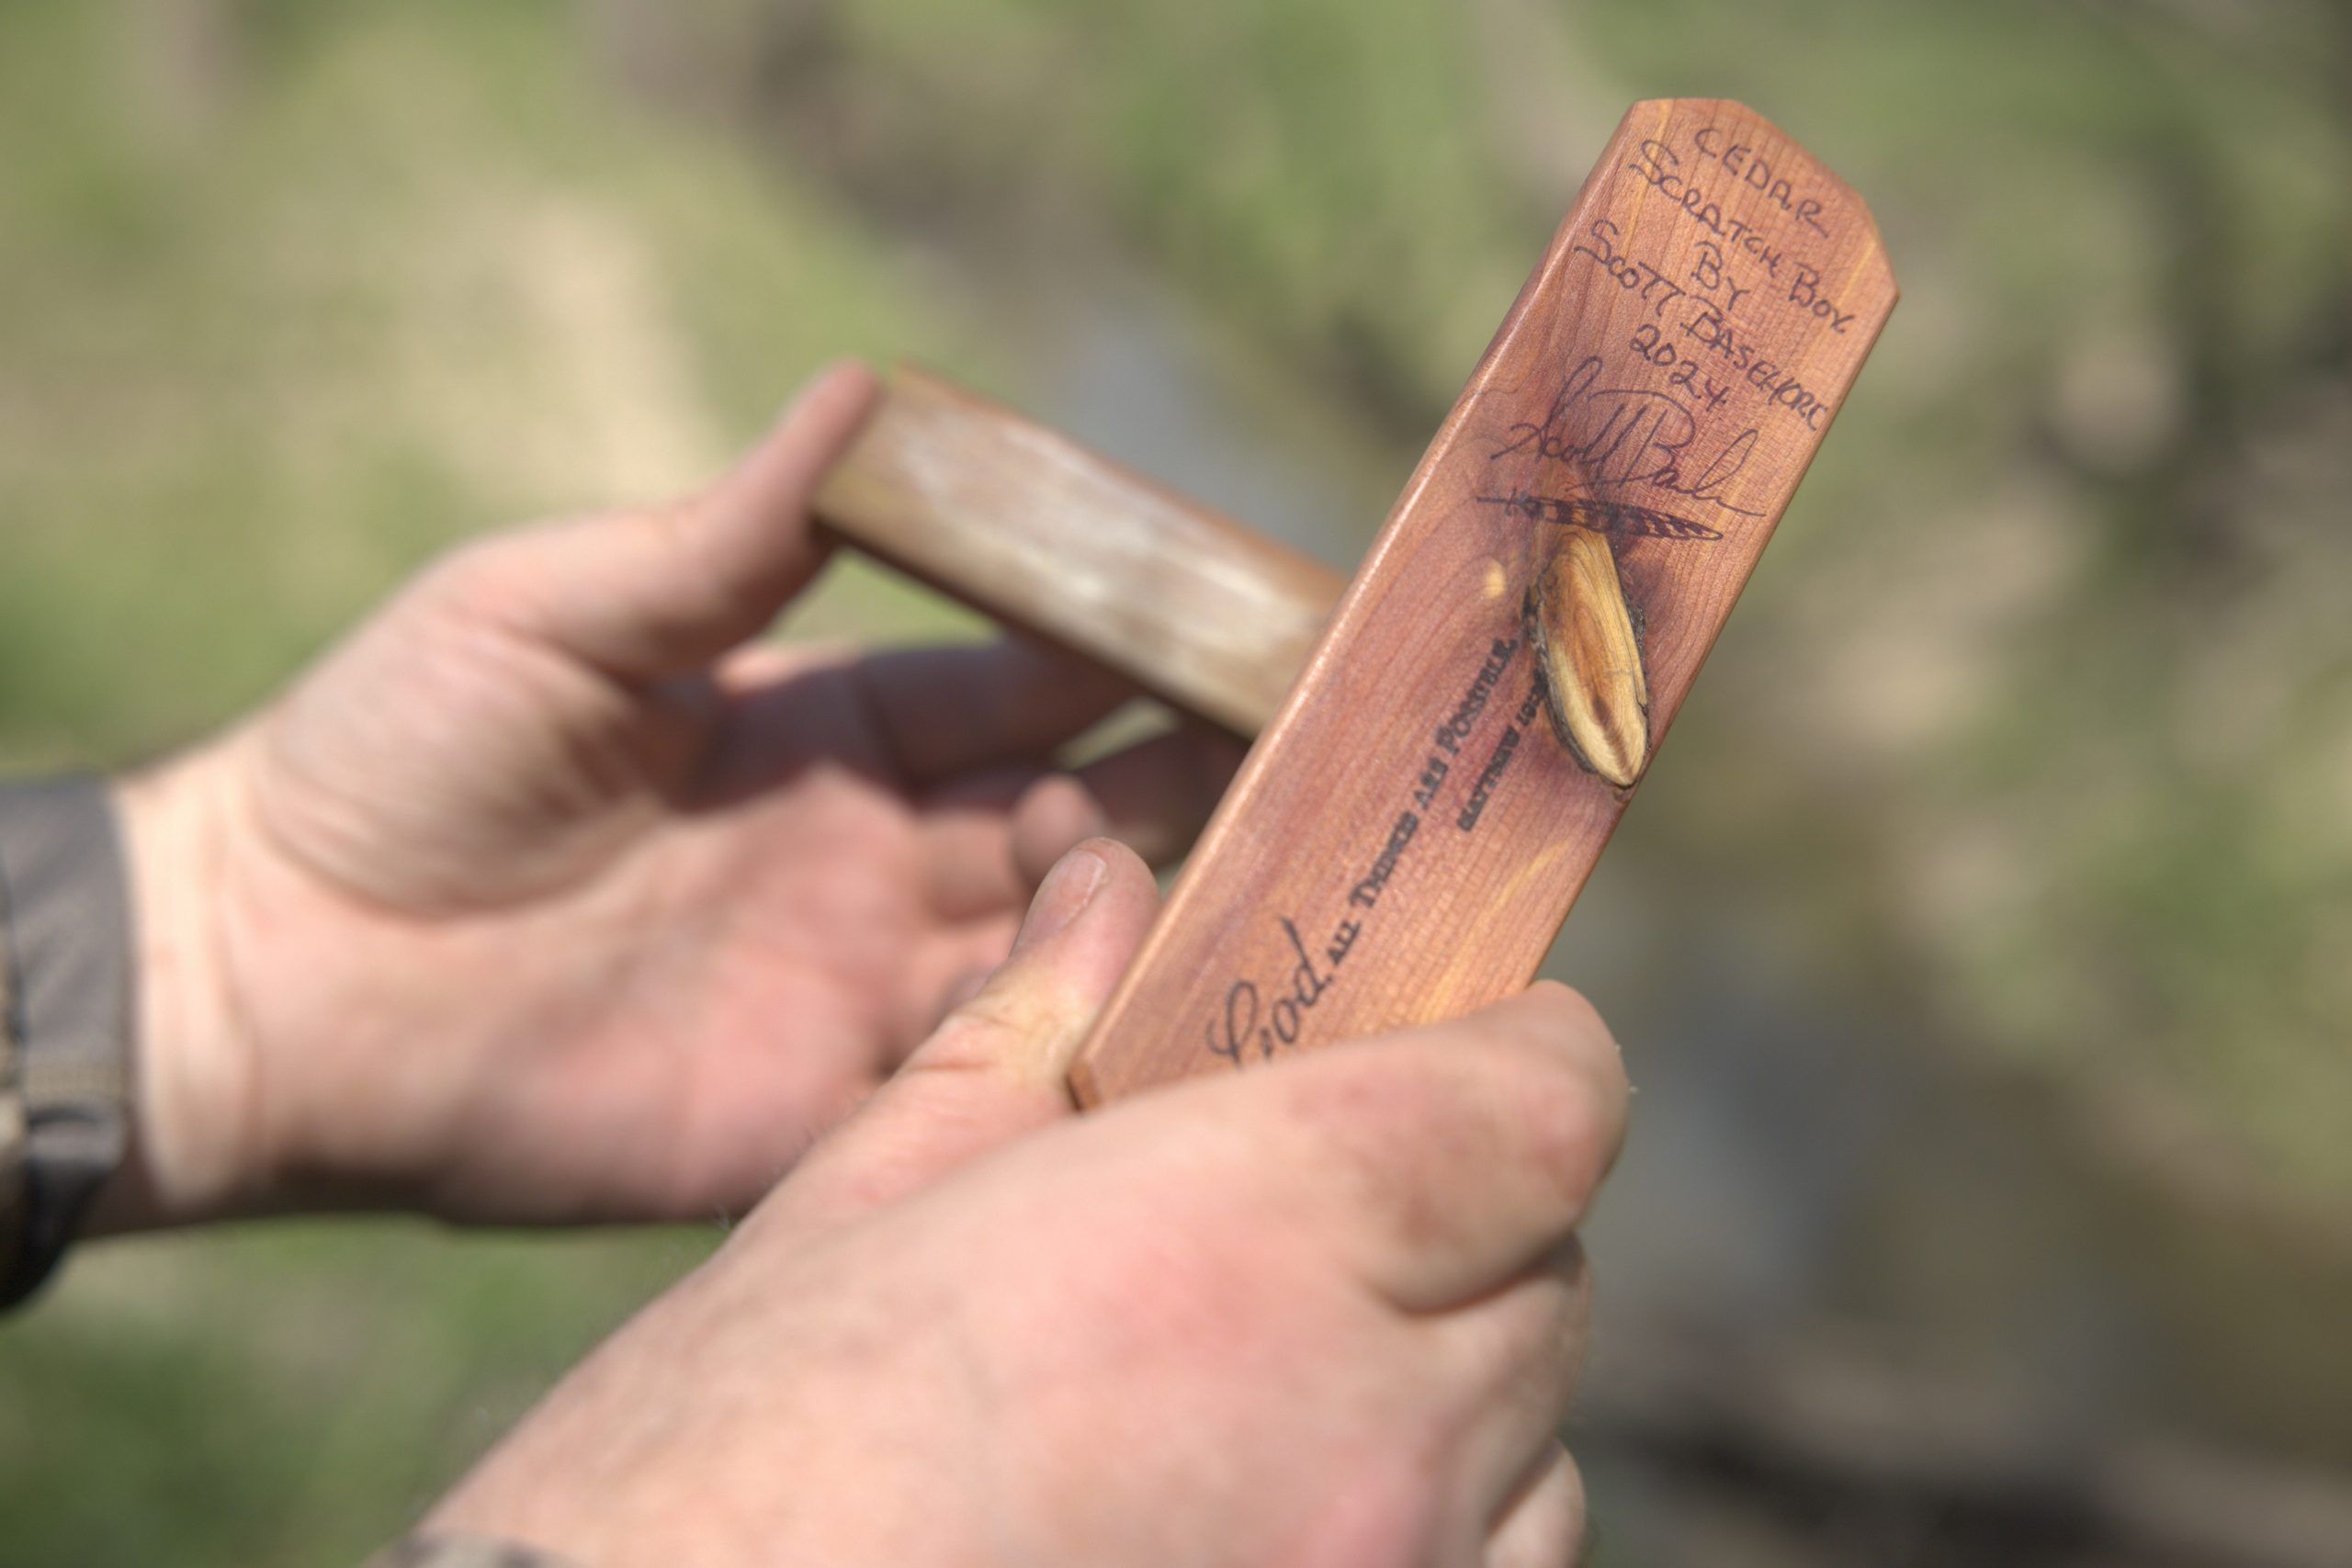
(281, 324)
(290, 1394)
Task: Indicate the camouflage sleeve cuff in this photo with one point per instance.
(463, 1552)
(65, 1013)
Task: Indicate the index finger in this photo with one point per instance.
(1437, 1162)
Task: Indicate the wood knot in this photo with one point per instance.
(1588, 654)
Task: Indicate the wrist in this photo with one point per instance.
(195, 1147)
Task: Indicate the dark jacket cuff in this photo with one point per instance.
(65, 1017)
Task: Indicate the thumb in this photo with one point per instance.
(646, 595)
(994, 1068)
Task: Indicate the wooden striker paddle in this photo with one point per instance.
(1024, 522)
(1405, 838)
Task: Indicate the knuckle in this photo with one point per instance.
(1539, 1328)
(677, 540)
(1554, 1016)
(685, 545)
(1569, 1088)
(1002, 1006)
(974, 1035)
(1562, 1126)
(475, 579)
(1015, 1026)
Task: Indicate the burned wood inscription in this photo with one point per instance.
(1408, 834)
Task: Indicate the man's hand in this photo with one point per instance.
(551, 895)
(1326, 1312)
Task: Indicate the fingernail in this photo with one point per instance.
(1068, 888)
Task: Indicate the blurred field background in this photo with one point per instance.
(1981, 943)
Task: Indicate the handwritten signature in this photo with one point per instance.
(1627, 435)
